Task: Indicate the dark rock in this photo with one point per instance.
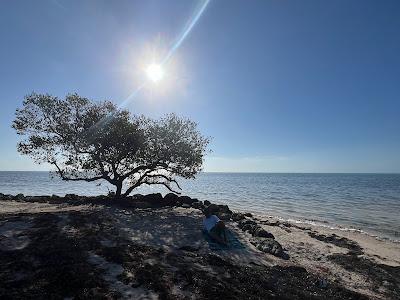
(236, 216)
(255, 228)
(260, 232)
(189, 248)
(213, 208)
(141, 204)
(8, 197)
(207, 203)
(186, 200)
(137, 197)
(245, 222)
(40, 199)
(289, 225)
(198, 205)
(224, 216)
(269, 245)
(99, 200)
(170, 199)
(185, 205)
(248, 227)
(271, 223)
(19, 197)
(154, 199)
(248, 214)
(71, 197)
(224, 209)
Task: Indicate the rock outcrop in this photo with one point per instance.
(262, 239)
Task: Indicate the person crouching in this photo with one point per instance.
(214, 227)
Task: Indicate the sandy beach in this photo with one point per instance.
(72, 249)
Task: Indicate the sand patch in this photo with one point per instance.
(17, 207)
(13, 235)
(111, 272)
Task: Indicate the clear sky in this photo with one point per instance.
(281, 86)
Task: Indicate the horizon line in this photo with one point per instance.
(247, 172)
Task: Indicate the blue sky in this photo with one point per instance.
(281, 86)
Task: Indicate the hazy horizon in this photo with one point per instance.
(244, 172)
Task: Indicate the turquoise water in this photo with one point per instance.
(369, 202)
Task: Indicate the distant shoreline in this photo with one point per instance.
(283, 173)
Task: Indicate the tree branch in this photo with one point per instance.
(63, 177)
(138, 183)
(166, 178)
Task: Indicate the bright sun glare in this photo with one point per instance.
(154, 72)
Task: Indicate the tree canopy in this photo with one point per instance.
(89, 141)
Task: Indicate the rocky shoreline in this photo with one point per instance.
(150, 247)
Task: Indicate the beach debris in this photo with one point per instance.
(336, 240)
(379, 275)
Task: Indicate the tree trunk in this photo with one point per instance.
(118, 192)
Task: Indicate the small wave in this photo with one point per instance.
(326, 224)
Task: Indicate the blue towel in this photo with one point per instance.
(233, 242)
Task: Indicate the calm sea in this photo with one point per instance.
(369, 202)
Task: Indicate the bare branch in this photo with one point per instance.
(165, 177)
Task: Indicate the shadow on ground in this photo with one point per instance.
(105, 254)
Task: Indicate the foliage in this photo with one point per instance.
(87, 140)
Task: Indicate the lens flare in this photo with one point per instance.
(187, 29)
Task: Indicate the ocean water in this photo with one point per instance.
(366, 202)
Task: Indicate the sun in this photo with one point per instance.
(154, 72)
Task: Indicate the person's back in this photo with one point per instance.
(209, 222)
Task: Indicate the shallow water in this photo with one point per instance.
(370, 202)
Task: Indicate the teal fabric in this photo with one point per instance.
(233, 242)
